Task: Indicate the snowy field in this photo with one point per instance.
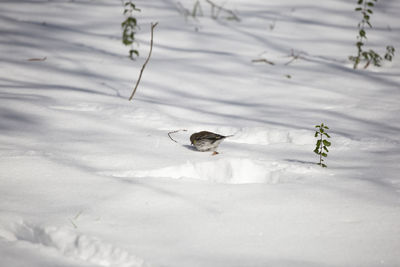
(89, 179)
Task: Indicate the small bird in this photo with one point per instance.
(206, 141)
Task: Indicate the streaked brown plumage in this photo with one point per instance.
(206, 141)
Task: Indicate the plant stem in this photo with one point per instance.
(361, 27)
(147, 60)
(320, 152)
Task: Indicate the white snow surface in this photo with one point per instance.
(88, 178)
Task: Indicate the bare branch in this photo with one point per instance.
(221, 8)
(145, 63)
(169, 134)
(294, 57)
(37, 59)
(263, 60)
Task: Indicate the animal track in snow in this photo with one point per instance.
(79, 107)
(272, 136)
(74, 245)
(228, 171)
(264, 136)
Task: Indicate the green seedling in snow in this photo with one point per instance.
(129, 28)
(321, 147)
(370, 56)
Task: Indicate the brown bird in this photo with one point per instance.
(207, 141)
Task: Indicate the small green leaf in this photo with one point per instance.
(369, 11)
(327, 135)
(127, 41)
(359, 2)
(390, 49)
(322, 165)
(358, 9)
(362, 33)
(325, 148)
(134, 7)
(316, 134)
(131, 52)
(324, 154)
(326, 143)
(131, 21)
(318, 143)
(370, 4)
(389, 53)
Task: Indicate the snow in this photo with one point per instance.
(90, 179)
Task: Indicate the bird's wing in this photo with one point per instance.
(213, 137)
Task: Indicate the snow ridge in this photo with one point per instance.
(77, 246)
(228, 171)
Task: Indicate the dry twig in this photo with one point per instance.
(169, 134)
(145, 63)
(221, 8)
(294, 57)
(195, 8)
(37, 59)
(263, 60)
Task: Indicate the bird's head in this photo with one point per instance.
(193, 139)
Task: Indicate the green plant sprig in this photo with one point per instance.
(370, 56)
(321, 147)
(129, 28)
